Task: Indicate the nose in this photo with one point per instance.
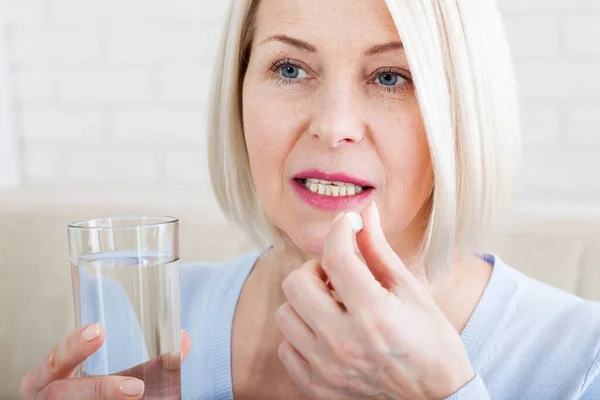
(338, 118)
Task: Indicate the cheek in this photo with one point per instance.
(405, 154)
(269, 133)
(269, 124)
(416, 159)
(259, 129)
(402, 144)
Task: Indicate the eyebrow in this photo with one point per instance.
(384, 48)
(309, 48)
(297, 43)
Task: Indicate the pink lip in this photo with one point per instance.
(331, 203)
(335, 177)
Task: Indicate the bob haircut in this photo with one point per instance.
(465, 84)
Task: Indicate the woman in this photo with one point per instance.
(403, 111)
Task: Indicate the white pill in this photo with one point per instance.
(356, 221)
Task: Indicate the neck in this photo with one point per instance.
(277, 262)
(461, 288)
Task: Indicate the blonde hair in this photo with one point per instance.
(464, 80)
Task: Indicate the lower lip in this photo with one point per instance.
(330, 203)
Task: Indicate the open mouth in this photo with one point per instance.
(333, 188)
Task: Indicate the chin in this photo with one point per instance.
(309, 237)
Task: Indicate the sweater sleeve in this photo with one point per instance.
(591, 386)
(474, 390)
(592, 391)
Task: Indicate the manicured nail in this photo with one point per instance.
(91, 332)
(132, 387)
(172, 361)
(356, 221)
(376, 213)
(340, 215)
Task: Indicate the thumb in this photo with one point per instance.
(186, 344)
(173, 361)
(384, 263)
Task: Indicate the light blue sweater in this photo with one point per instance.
(525, 339)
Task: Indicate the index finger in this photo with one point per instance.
(168, 362)
(309, 296)
(63, 359)
(350, 277)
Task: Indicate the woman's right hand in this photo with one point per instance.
(53, 379)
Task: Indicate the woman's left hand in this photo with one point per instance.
(387, 340)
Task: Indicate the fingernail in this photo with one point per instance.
(172, 361)
(356, 221)
(91, 332)
(132, 387)
(376, 213)
(340, 215)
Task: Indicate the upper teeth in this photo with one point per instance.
(329, 188)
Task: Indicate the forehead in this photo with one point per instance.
(347, 20)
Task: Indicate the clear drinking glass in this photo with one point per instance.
(125, 274)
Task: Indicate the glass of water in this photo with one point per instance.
(125, 274)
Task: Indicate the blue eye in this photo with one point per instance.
(290, 71)
(388, 79)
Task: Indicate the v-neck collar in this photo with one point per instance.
(497, 293)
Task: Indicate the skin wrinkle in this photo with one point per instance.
(368, 130)
(338, 119)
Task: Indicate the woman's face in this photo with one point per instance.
(331, 120)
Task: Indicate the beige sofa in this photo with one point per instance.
(35, 286)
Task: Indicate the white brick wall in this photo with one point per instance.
(61, 126)
(117, 165)
(83, 13)
(580, 32)
(184, 84)
(41, 163)
(33, 87)
(112, 87)
(150, 46)
(159, 126)
(114, 91)
(583, 126)
(23, 12)
(537, 35)
(188, 167)
(32, 47)
(556, 45)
